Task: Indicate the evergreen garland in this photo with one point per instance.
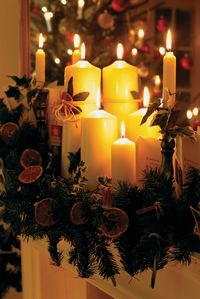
(160, 228)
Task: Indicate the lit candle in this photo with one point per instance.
(76, 55)
(81, 4)
(40, 61)
(119, 79)
(169, 73)
(86, 77)
(123, 160)
(48, 15)
(134, 130)
(98, 132)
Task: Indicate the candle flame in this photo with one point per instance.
(146, 97)
(140, 33)
(76, 41)
(123, 130)
(169, 40)
(98, 98)
(189, 114)
(41, 41)
(120, 51)
(82, 51)
(195, 111)
(157, 80)
(81, 3)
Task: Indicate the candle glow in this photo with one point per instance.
(76, 41)
(141, 33)
(120, 51)
(189, 114)
(81, 3)
(195, 111)
(169, 41)
(146, 97)
(157, 80)
(162, 51)
(123, 130)
(41, 41)
(98, 99)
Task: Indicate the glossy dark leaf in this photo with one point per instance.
(160, 119)
(135, 94)
(151, 109)
(70, 88)
(24, 81)
(76, 110)
(13, 92)
(31, 94)
(82, 96)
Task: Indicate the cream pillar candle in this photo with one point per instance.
(134, 129)
(169, 73)
(40, 61)
(98, 132)
(76, 55)
(119, 79)
(123, 160)
(86, 77)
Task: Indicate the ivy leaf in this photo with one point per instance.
(135, 94)
(184, 131)
(13, 92)
(151, 109)
(76, 110)
(160, 119)
(82, 96)
(70, 88)
(24, 81)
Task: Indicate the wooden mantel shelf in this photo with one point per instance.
(174, 282)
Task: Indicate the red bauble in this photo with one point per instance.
(118, 5)
(186, 62)
(162, 24)
(35, 10)
(145, 48)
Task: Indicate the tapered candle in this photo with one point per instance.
(134, 129)
(169, 74)
(40, 61)
(76, 55)
(86, 77)
(123, 160)
(98, 132)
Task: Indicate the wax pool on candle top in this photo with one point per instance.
(123, 160)
(169, 73)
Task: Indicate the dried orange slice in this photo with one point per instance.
(8, 131)
(76, 214)
(30, 174)
(30, 157)
(119, 222)
(44, 212)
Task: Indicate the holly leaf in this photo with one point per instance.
(13, 92)
(24, 81)
(81, 96)
(76, 110)
(150, 110)
(70, 88)
(160, 119)
(135, 94)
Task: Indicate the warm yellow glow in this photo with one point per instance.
(98, 98)
(57, 60)
(162, 51)
(44, 9)
(120, 51)
(48, 15)
(134, 51)
(41, 41)
(82, 51)
(81, 3)
(64, 2)
(169, 40)
(141, 33)
(76, 41)
(146, 97)
(123, 130)
(189, 114)
(195, 111)
(157, 80)
(69, 51)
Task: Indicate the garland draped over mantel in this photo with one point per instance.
(149, 226)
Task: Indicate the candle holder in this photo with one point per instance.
(167, 151)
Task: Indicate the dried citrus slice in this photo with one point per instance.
(118, 223)
(76, 214)
(8, 131)
(30, 157)
(30, 174)
(44, 212)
